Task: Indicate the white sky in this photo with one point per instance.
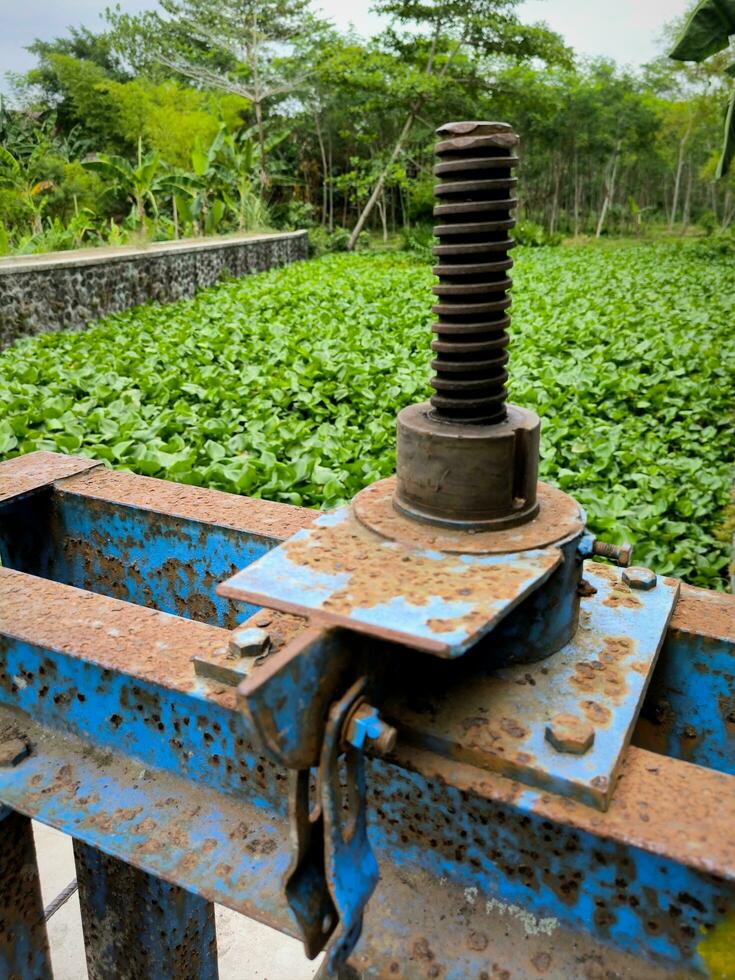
(626, 30)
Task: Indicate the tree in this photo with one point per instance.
(237, 46)
(139, 182)
(429, 37)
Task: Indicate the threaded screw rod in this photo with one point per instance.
(475, 195)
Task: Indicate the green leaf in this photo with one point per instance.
(707, 31)
(728, 146)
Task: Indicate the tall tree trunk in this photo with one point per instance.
(380, 183)
(686, 213)
(677, 179)
(331, 182)
(555, 198)
(609, 187)
(577, 192)
(729, 210)
(323, 152)
(262, 175)
(383, 216)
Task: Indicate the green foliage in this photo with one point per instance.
(286, 386)
(322, 241)
(419, 239)
(706, 31)
(529, 233)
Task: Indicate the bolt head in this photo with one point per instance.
(625, 555)
(638, 577)
(248, 641)
(568, 733)
(13, 752)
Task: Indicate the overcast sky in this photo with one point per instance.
(626, 30)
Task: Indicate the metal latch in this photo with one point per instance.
(334, 871)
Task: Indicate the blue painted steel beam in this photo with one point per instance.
(495, 841)
(136, 925)
(24, 950)
(150, 542)
(689, 712)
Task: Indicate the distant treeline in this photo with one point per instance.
(203, 118)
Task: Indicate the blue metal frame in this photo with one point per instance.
(138, 757)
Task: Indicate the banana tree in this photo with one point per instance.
(223, 178)
(139, 182)
(707, 31)
(23, 176)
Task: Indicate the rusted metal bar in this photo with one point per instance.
(159, 544)
(24, 950)
(136, 925)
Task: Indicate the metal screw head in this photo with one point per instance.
(13, 752)
(248, 641)
(638, 577)
(567, 733)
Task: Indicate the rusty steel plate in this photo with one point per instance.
(498, 719)
(24, 474)
(339, 573)
(559, 517)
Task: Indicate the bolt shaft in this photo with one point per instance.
(475, 199)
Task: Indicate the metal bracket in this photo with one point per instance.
(334, 871)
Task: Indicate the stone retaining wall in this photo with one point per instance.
(65, 290)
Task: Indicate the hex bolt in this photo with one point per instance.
(364, 725)
(248, 641)
(570, 734)
(638, 577)
(13, 752)
(621, 554)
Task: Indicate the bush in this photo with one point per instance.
(322, 241)
(529, 233)
(419, 240)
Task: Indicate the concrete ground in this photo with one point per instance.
(247, 950)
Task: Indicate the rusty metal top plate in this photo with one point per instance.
(497, 719)
(339, 573)
(24, 474)
(559, 517)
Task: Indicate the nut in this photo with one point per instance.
(13, 752)
(248, 641)
(638, 577)
(364, 725)
(567, 733)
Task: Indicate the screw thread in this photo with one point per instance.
(475, 200)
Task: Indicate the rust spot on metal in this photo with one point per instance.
(513, 728)
(349, 548)
(622, 595)
(599, 714)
